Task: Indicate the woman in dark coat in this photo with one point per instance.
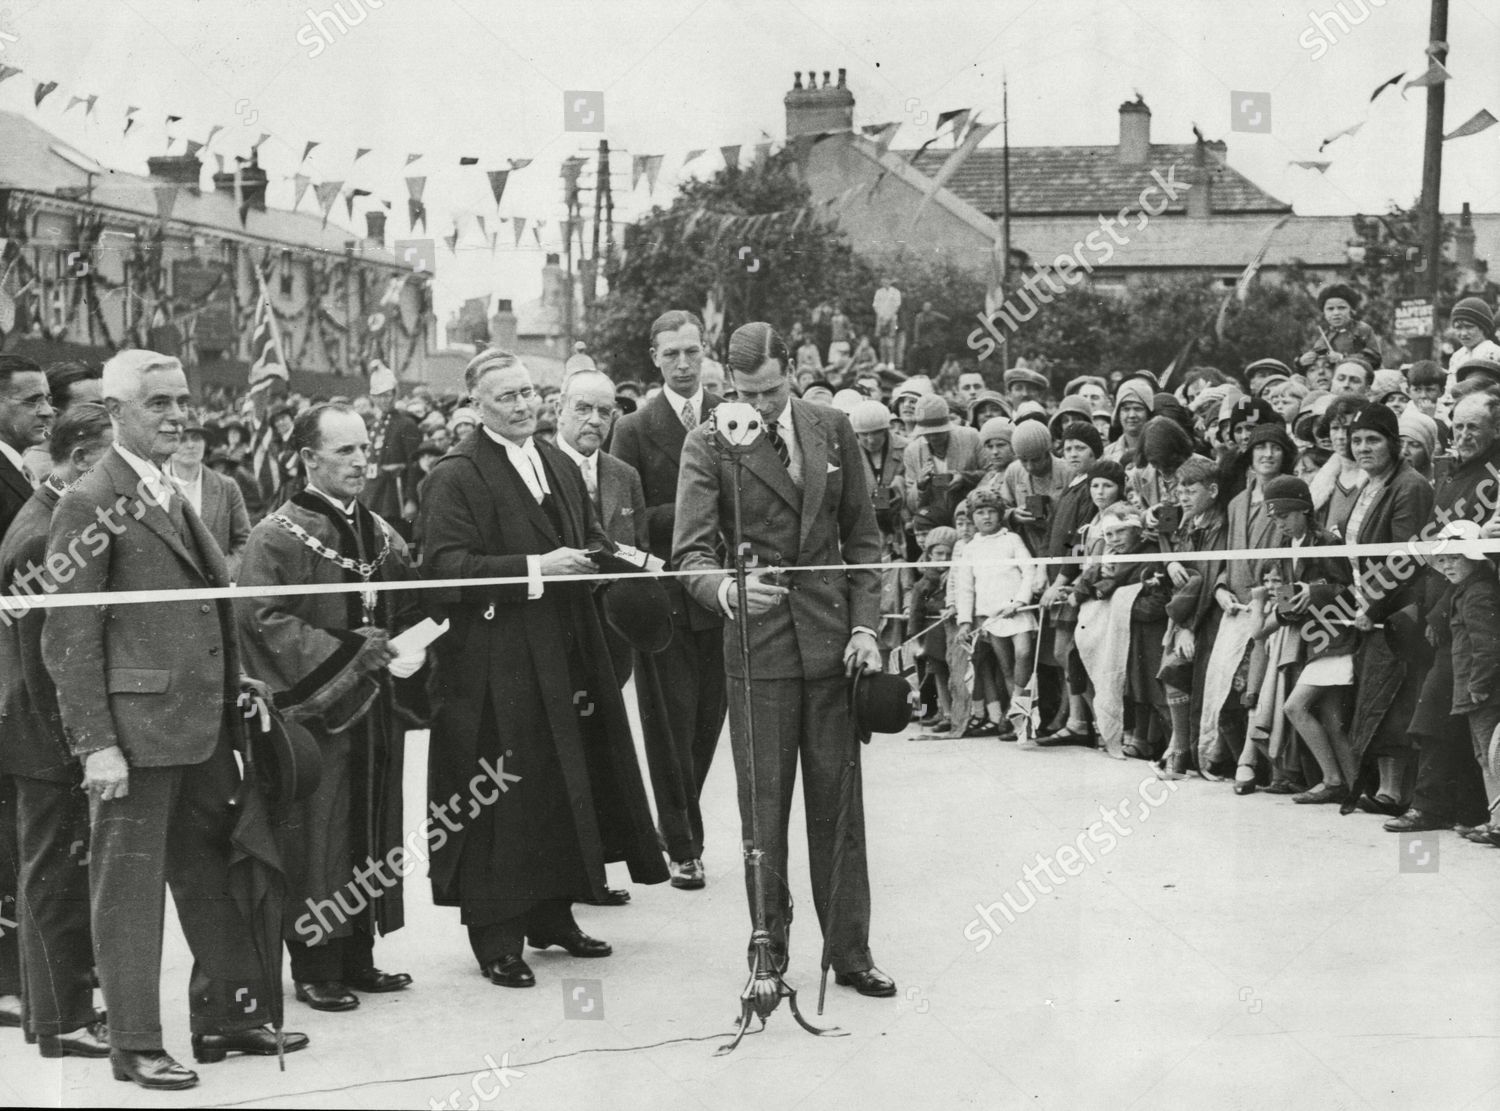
(1392, 508)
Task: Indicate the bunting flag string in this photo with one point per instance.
(883, 134)
(976, 134)
(1311, 164)
(129, 119)
(692, 155)
(468, 160)
(1389, 82)
(653, 168)
(416, 211)
(43, 90)
(72, 102)
(731, 154)
(301, 181)
(518, 163)
(350, 195)
(960, 118)
(89, 102)
(173, 119)
(483, 231)
(361, 152)
(193, 147)
(7, 72)
(498, 179)
(1352, 129)
(414, 187)
(1479, 121)
(308, 149)
(1435, 75)
(518, 227)
(327, 192)
(410, 158)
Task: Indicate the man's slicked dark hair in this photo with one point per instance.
(673, 319)
(752, 344)
(84, 424)
(307, 429)
(11, 365)
(62, 375)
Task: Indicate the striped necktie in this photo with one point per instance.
(773, 433)
(689, 418)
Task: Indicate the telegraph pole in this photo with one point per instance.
(1432, 165)
(1005, 210)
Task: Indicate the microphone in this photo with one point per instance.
(737, 424)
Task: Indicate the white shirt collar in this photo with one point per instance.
(527, 444)
(346, 510)
(532, 473)
(14, 457)
(675, 400)
(585, 462)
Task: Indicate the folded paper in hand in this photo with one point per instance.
(418, 637)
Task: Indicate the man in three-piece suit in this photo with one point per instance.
(586, 410)
(150, 707)
(686, 731)
(57, 958)
(804, 504)
(523, 688)
(25, 416)
(216, 498)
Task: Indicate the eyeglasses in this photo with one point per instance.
(582, 410)
(510, 397)
(36, 401)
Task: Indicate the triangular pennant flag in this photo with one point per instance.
(883, 134)
(414, 187)
(1476, 123)
(410, 158)
(497, 183)
(1352, 129)
(468, 160)
(172, 119)
(960, 118)
(72, 100)
(653, 168)
(166, 200)
(89, 102)
(301, 181)
(414, 212)
(241, 205)
(129, 119)
(361, 152)
(1435, 75)
(482, 229)
(193, 147)
(494, 241)
(43, 89)
(518, 227)
(692, 154)
(452, 240)
(8, 71)
(327, 192)
(536, 232)
(255, 146)
(731, 155)
(386, 205)
(637, 168)
(1386, 84)
(1310, 164)
(212, 131)
(349, 202)
(308, 149)
(219, 158)
(960, 155)
(519, 163)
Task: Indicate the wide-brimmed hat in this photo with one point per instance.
(932, 416)
(880, 703)
(287, 760)
(637, 607)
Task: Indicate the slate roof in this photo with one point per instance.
(32, 161)
(1089, 180)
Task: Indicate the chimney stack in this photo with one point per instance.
(179, 169)
(812, 109)
(503, 326)
(375, 227)
(252, 184)
(1135, 132)
(1200, 205)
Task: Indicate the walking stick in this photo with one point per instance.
(738, 427)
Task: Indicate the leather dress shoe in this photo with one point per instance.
(510, 971)
(373, 981)
(1380, 804)
(1322, 793)
(688, 875)
(1067, 736)
(871, 982)
(1415, 821)
(87, 1041)
(259, 1042)
(327, 995)
(151, 1068)
(575, 941)
(613, 897)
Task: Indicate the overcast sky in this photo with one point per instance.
(486, 78)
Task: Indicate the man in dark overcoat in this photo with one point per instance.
(523, 684)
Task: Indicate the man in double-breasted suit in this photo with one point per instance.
(51, 827)
(25, 414)
(683, 732)
(523, 688)
(149, 704)
(804, 504)
(586, 410)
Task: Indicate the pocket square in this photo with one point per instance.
(831, 468)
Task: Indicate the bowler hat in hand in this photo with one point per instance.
(881, 703)
(638, 609)
(285, 756)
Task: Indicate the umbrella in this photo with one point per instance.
(257, 880)
(847, 768)
(661, 760)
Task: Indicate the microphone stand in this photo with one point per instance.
(766, 986)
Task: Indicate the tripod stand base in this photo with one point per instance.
(763, 993)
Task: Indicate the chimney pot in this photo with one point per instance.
(812, 110)
(375, 227)
(825, 78)
(797, 79)
(842, 72)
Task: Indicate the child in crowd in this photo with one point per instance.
(997, 581)
(1340, 333)
(961, 656)
(928, 604)
(1473, 324)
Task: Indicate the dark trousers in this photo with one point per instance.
(684, 731)
(1450, 783)
(172, 828)
(57, 951)
(806, 718)
(336, 959)
(10, 872)
(493, 940)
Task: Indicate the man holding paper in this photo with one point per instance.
(334, 667)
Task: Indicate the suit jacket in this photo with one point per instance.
(651, 440)
(153, 678)
(963, 455)
(15, 491)
(829, 521)
(226, 518)
(31, 735)
(621, 503)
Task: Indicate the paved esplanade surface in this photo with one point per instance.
(1217, 952)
